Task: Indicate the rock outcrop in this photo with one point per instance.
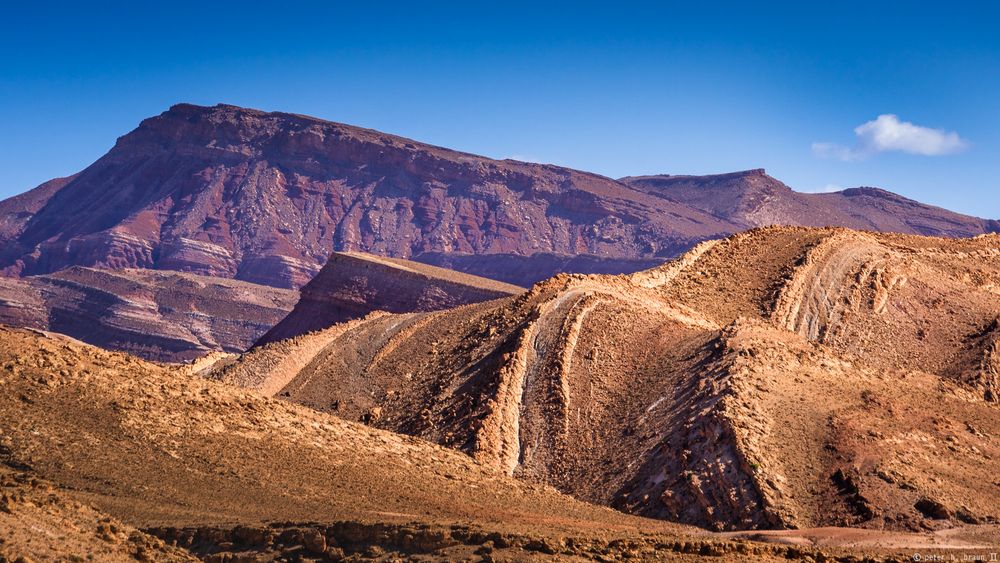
(353, 284)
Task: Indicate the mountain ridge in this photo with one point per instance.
(745, 385)
(266, 197)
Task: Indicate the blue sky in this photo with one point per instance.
(616, 88)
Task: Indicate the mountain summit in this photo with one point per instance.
(266, 197)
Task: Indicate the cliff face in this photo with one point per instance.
(266, 197)
(164, 316)
(351, 285)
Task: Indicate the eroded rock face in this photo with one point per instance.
(783, 377)
(353, 284)
(165, 316)
(266, 197)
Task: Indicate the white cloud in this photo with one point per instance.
(887, 133)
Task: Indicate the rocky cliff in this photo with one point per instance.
(353, 284)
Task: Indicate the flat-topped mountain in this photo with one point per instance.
(266, 197)
(353, 284)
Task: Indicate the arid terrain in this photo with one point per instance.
(444, 282)
(734, 403)
(799, 392)
(158, 315)
(353, 284)
(267, 197)
(108, 455)
(780, 378)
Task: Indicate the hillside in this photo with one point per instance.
(159, 315)
(118, 451)
(781, 378)
(266, 197)
(353, 284)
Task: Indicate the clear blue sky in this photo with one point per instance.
(617, 88)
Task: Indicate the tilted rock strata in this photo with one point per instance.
(351, 285)
(227, 473)
(756, 382)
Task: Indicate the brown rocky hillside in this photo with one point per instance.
(781, 378)
(108, 455)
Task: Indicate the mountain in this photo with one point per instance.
(108, 456)
(266, 197)
(353, 284)
(159, 315)
(754, 199)
(779, 378)
(130, 460)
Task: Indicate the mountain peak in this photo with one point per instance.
(266, 197)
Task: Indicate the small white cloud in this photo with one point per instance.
(887, 133)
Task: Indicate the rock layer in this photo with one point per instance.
(353, 284)
(165, 316)
(266, 197)
(784, 377)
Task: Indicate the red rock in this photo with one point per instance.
(266, 197)
(351, 285)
